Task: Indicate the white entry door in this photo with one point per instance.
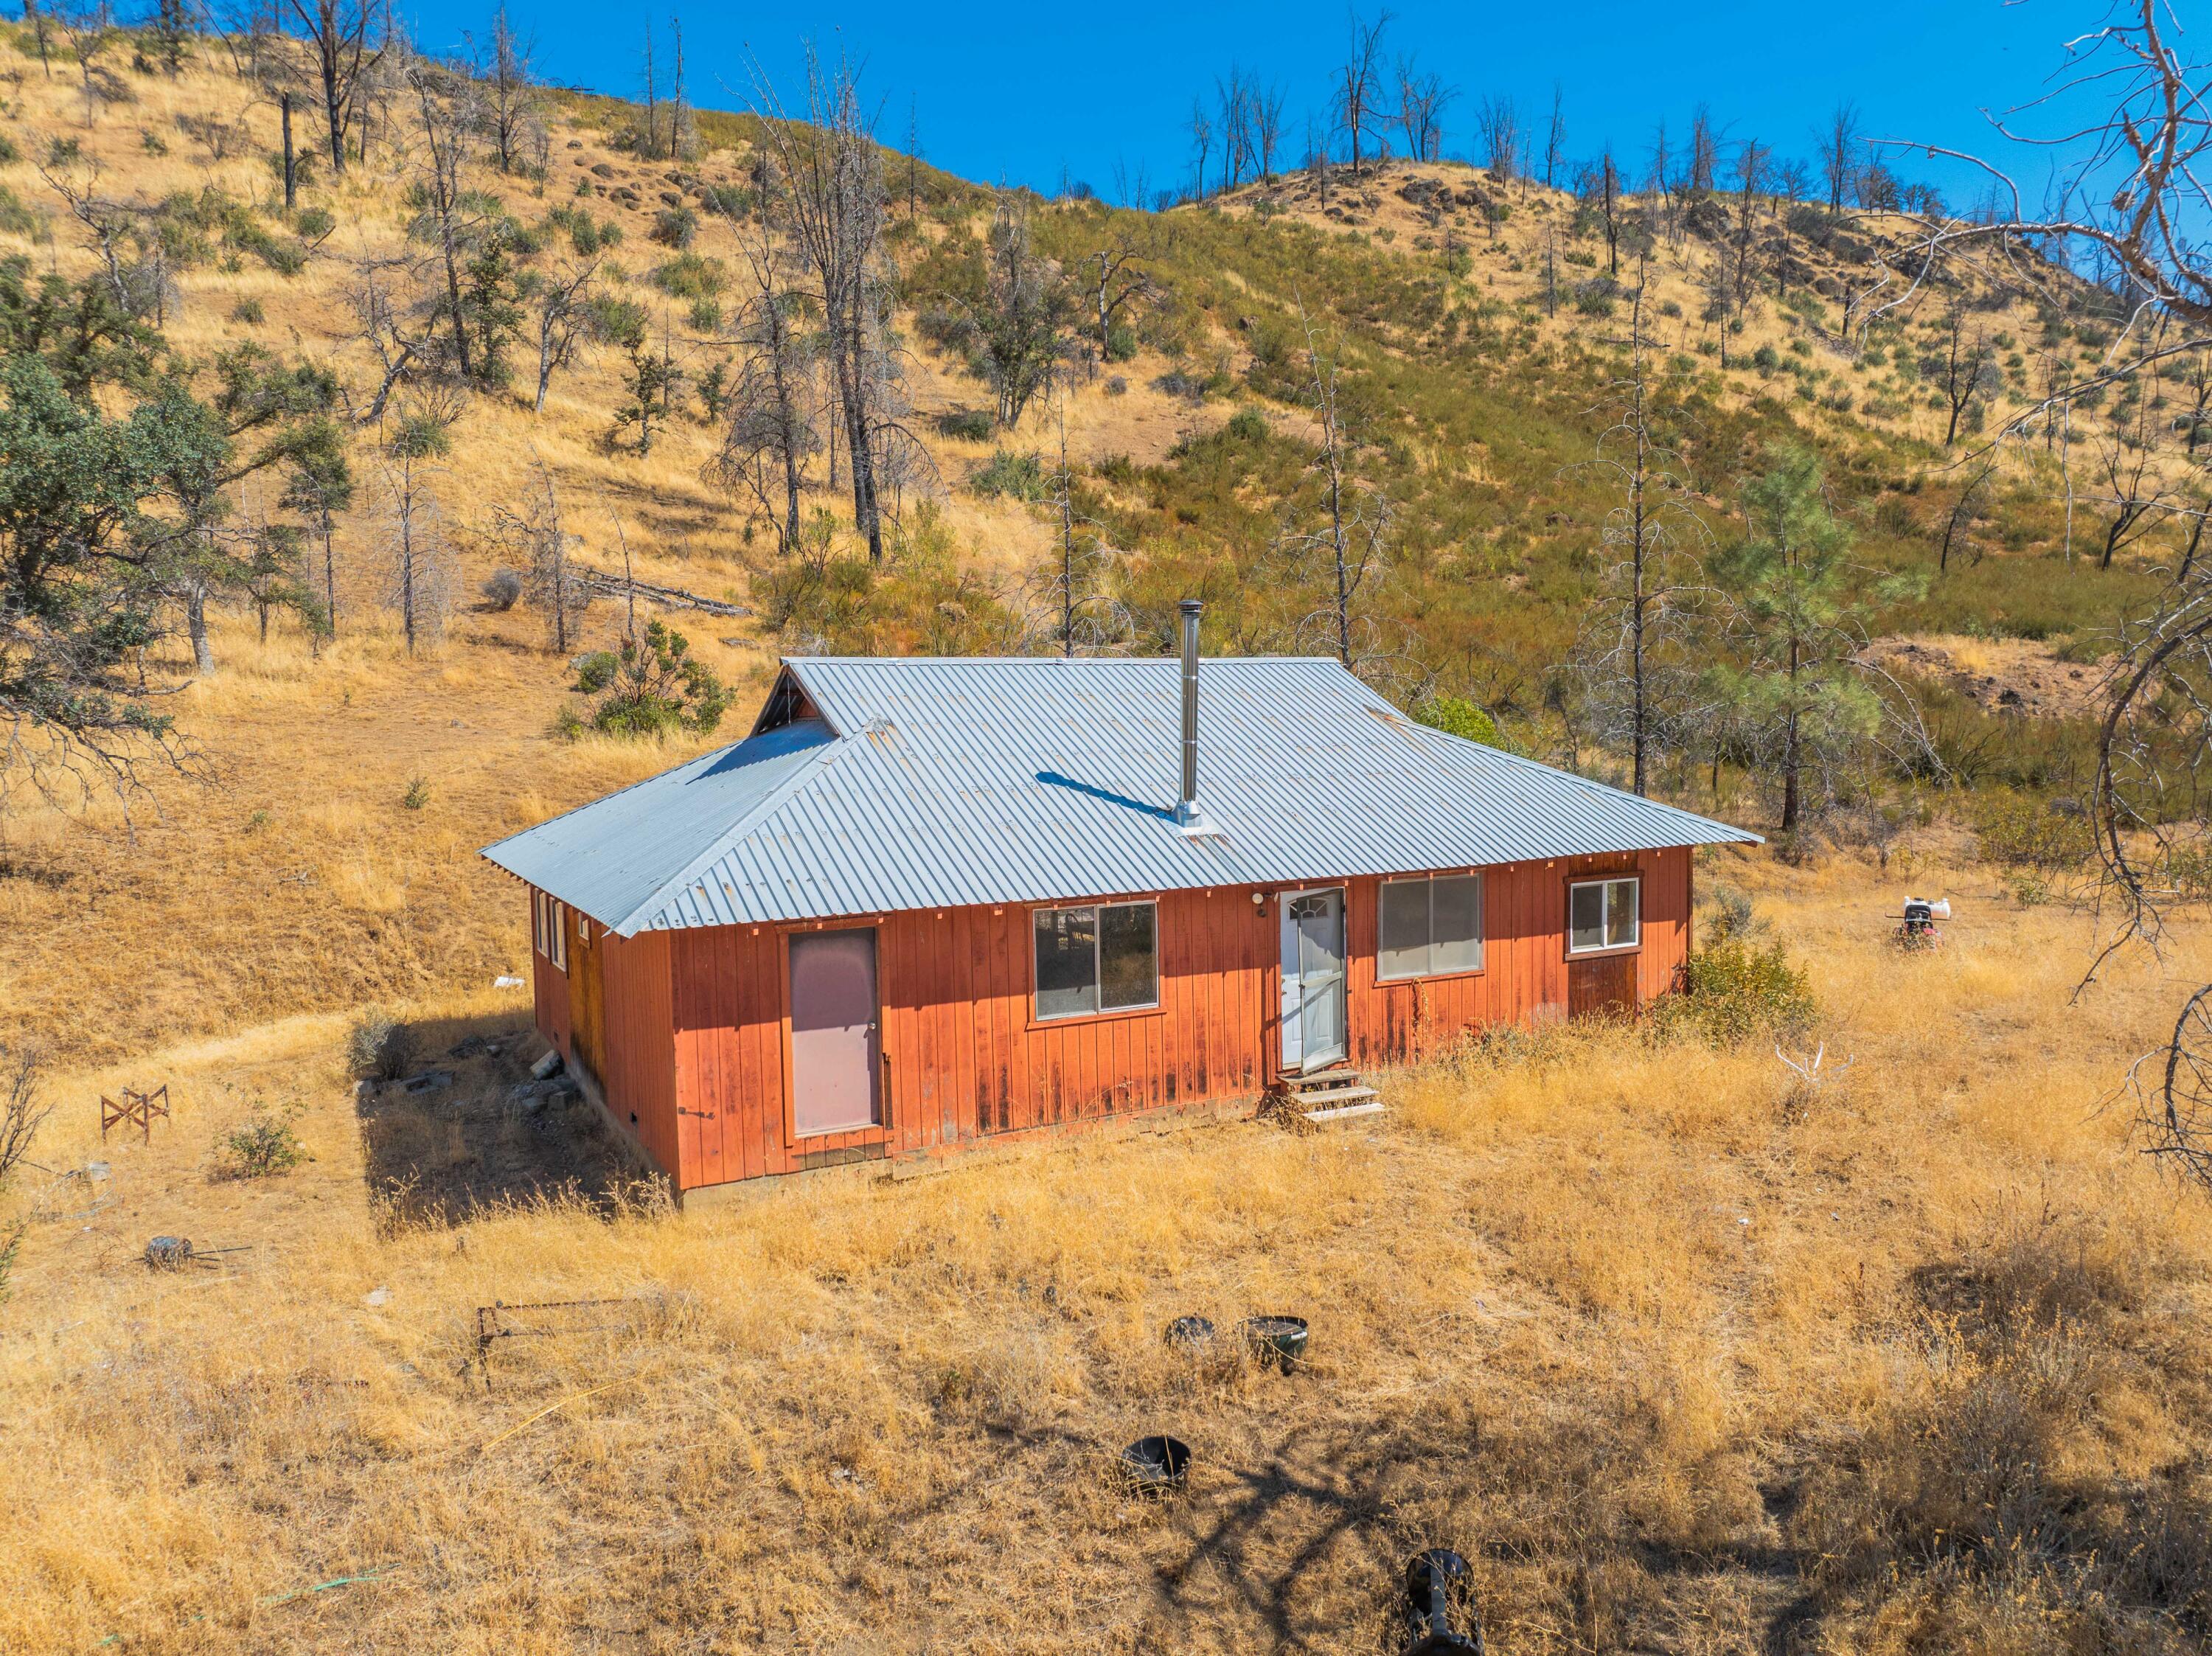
(1313, 979)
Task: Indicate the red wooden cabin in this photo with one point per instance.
(933, 901)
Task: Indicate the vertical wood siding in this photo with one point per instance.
(965, 1060)
(638, 1070)
(549, 990)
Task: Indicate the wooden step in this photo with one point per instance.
(1344, 1111)
(1315, 1079)
(1328, 1097)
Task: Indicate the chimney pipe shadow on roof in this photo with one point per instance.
(1190, 815)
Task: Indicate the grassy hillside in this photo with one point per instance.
(1479, 398)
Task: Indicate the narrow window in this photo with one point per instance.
(537, 921)
(1603, 914)
(557, 915)
(1097, 958)
(1430, 926)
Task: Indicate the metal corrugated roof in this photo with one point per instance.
(932, 782)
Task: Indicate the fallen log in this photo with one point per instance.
(674, 597)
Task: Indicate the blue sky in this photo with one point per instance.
(1032, 94)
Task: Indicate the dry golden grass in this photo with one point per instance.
(1681, 1360)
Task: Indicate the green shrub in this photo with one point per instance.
(2027, 831)
(652, 686)
(263, 1146)
(15, 218)
(705, 315)
(1247, 426)
(675, 226)
(1730, 991)
(1020, 477)
(969, 425)
(688, 276)
(1120, 343)
(1456, 716)
(248, 311)
(313, 223)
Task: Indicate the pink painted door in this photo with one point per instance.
(835, 1032)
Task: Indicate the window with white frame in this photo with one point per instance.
(1430, 926)
(1100, 957)
(1604, 914)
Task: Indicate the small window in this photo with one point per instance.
(1099, 958)
(556, 941)
(1430, 926)
(1604, 914)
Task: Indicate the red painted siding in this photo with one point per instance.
(697, 1036)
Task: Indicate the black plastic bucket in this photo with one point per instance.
(1155, 1466)
(1277, 1339)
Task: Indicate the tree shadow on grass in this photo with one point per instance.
(452, 1140)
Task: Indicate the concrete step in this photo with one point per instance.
(1345, 1112)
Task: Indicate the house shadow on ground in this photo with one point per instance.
(463, 1132)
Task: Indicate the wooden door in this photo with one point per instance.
(1602, 987)
(836, 1033)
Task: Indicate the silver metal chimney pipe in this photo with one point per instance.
(1189, 812)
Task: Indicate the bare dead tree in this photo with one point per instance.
(772, 435)
(1088, 615)
(1359, 95)
(1703, 161)
(539, 538)
(564, 316)
(346, 40)
(1636, 654)
(2125, 447)
(505, 68)
(1264, 105)
(21, 1115)
(828, 172)
(1497, 127)
(1201, 144)
(1839, 143)
(1423, 97)
(1348, 548)
(1113, 279)
(452, 214)
(1958, 523)
(1751, 159)
(1555, 134)
(1961, 369)
(1233, 102)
